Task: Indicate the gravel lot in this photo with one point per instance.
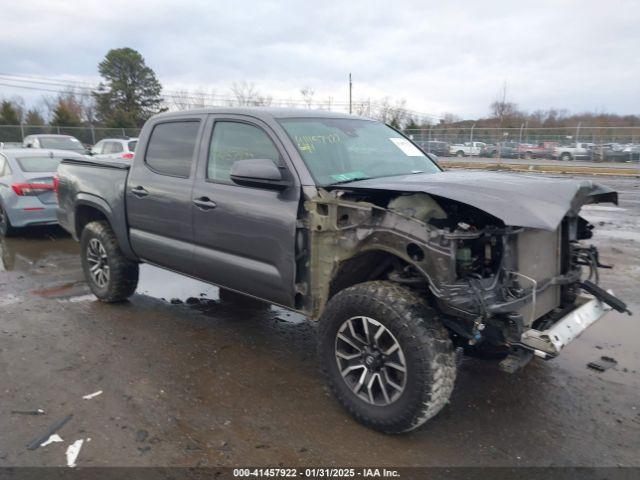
(205, 383)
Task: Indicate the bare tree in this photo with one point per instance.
(307, 96)
(245, 93)
(362, 109)
(188, 100)
(394, 114)
(449, 118)
(501, 108)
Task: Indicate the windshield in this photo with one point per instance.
(61, 143)
(343, 149)
(38, 164)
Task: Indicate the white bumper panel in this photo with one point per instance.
(548, 343)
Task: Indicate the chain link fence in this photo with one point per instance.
(527, 135)
(616, 139)
(13, 134)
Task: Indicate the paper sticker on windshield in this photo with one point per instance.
(409, 149)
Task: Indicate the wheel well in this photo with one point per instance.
(367, 266)
(86, 214)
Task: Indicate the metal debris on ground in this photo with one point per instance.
(39, 411)
(91, 395)
(73, 451)
(603, 364)
(52, 439)
(34, 444)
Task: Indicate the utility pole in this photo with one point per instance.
(350, 90)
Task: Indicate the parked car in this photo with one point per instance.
(26, 187)
(540, 150)
(345, 220)
(574, 151)
(112, 148)
(500, 149)
(467, 149)
(441, 149)
(10, 145)
(55, 142)
(615, 152)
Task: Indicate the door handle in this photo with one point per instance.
(139, 191)
(204, 203)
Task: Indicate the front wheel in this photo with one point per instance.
(111, 276)
(387, 357)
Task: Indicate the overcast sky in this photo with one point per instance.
(439, 56)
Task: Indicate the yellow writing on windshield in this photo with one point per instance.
(307, 143)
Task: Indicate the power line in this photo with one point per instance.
(82, 88)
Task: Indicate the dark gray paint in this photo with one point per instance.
(99, 185)
(246, 242)
(518, 200)
(160, 219)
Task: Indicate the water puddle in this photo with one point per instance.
(181, 290)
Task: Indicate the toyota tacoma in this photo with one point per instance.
(348, 222)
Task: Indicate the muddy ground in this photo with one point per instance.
(206, 383)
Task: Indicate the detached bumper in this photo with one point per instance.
(548, 343)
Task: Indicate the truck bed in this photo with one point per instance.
(96, 185)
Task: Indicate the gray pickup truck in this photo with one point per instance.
(347, 221)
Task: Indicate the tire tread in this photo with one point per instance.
(426, 334)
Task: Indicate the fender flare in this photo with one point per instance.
(98, 203)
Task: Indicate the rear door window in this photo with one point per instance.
(171, 147)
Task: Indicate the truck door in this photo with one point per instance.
(244, 237)
(158, 193)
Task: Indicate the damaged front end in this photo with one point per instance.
(496, 278)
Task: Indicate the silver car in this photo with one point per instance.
(27, 195)
(56, 142)
(115, 148)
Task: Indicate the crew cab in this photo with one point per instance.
(345, 220)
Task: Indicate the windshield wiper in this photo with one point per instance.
(355, 179)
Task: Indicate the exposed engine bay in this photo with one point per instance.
(490, 280)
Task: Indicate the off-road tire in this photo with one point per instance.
(123, 273)
(6, 229)
(428, 351)
(239, 300)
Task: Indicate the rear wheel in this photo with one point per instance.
(387, 357)
(111, 276)
(528, 155)
(459, 153)
(6, 229)
(565, 157)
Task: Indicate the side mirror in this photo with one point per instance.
(258, 172)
